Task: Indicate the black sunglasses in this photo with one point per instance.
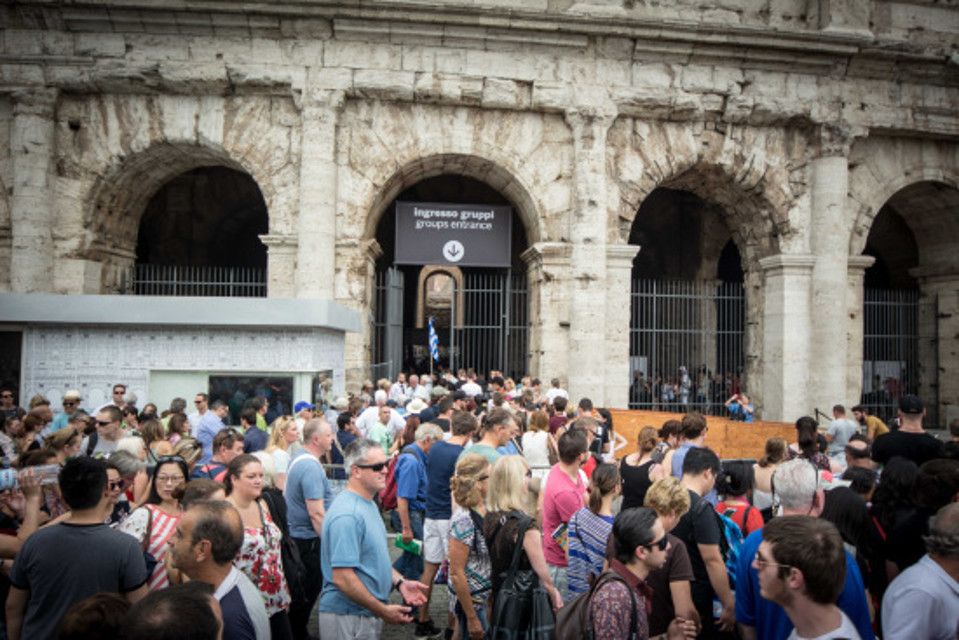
(660, 544)
(377, 467)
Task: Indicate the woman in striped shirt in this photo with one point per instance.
(155, 522)
(589, 529)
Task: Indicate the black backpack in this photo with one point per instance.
(573, 621)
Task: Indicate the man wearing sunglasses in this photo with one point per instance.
(71, 403)
(798, 487)
(355, 557)
(103, 442)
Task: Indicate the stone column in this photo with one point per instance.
(548, 273)
(786, 365)
(354, 282)
(31, 203)
(855, 306)
(938, 344)
(587, 233)
(280, 265)
(316, 250)
(830, 246)
(619, 304)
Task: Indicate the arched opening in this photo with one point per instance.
(905, 330)
(688, 307)
(199, 236)
(480, 312)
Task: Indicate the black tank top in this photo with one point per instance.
(636, 483)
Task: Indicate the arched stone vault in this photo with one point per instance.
(116, 151)
(919, 177)
(753, 173)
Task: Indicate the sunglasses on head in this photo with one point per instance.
(165, 459)
(378, 466)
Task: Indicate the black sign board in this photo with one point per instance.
(464, 235)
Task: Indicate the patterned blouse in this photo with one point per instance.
(161, 530)
(260, 560)
(610, 603)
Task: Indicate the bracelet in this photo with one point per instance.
(398, 584)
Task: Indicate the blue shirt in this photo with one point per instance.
(678, 457)
(440, 467)
(769, 619)
(354, 537)
(305, 480)
(508, 449)
(737, 412)
(210, 425)
(344, 438)
(255, 439)
(411, 477)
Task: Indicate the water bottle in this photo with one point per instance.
(414, 546)
(47, 473)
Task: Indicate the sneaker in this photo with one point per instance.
(424, 630)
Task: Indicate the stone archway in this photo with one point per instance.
(456, 274)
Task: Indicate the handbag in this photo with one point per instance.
(148, 559)
(521, 609)
(293, 568)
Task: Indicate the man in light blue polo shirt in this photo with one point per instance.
(308, 495)
(355, 558)
(411, 485)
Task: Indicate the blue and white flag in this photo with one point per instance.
(434, 342)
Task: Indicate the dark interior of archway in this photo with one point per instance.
(210, 216)
(894, 247)
(672, 228)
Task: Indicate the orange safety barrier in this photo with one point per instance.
(728, 438)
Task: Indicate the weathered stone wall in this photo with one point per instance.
(798, 118)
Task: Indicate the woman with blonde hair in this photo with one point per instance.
(539, 444)
(154, 438)
(509, 521)
(470, 580)
(638, 469)
(672, 591)
(776, 452)
(65, 443)
(190, 450)
(284, 434)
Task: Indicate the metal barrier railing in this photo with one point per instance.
(204, 281)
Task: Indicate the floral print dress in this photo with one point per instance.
(260, 560)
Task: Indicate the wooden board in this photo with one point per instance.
(728, 438)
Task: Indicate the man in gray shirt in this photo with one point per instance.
(838, 434)
(49, 575)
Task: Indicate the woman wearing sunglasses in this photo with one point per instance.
(155, 522)
(260, 556)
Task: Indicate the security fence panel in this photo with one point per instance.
(495, 332)
(687, 341)
(393, 339)
(899, 351)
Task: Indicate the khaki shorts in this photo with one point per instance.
(436, 543)
(336, 626)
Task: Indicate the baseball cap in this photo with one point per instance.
(301, 405)
(72, 394)
(910, 404)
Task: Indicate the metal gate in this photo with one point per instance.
(687, 344)
(494, 333)
(495, 330)
(897, 326)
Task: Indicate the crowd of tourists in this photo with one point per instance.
(126, 522)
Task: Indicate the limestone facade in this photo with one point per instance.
(800, 119)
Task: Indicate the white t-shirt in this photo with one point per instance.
(556, 392)
(471, 389)
(281, 460)
(371, 416)
(845, 631)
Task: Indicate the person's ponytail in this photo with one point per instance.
(605, 480)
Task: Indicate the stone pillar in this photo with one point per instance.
(786, 367)
(830, 241)
(316, 251)
(354, 282)
(281, 252)
(31, 203)
(548, 273)
(587, 233)
(938, 344)
(619, 304)
(855, 306)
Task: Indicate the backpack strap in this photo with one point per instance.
(92, 440)
(745, 518)
(149, 531)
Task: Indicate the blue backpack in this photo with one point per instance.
(730, 540)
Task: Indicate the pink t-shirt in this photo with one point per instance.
(561, 499)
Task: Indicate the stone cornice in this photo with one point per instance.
(788, 263)
(547, 254)
(860, 262)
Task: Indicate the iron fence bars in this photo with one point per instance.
(687, 344)
(900, 351)
(203, 281)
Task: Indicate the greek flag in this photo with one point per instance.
(434, 342)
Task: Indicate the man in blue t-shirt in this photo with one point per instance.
(308, 496)
(799, 488)
(411, 484)
(440, 467)
(355, 558)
